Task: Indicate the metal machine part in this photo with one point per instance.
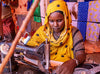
(22, 53)
(4, 50)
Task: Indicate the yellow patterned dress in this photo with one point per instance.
(61, 49)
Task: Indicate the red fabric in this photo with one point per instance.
(32, 33)
(8, 27)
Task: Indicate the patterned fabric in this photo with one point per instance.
(22, 7)
(82, 18)
(93, 29)
(61, 49)
(21, 12)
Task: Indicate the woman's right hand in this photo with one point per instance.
(66, 68)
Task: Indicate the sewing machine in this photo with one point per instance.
(22, 53)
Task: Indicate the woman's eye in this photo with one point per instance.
(51, 21)
(59, 20)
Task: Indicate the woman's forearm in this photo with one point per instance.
(80, 56)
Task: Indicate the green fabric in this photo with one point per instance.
(37, 15)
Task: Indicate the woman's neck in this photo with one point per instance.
(56, 35)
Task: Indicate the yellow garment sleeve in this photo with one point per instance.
(37, 38)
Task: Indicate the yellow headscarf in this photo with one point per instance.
(61, 49)
(58, 5)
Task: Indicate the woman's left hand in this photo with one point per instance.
(67, 67)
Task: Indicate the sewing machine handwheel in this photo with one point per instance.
(4, 48)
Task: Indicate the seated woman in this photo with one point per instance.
(66, 42)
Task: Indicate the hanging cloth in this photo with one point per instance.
(82, 17)
(29, 3)
(37, 15)
(93, 29)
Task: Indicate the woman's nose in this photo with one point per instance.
(55, 24)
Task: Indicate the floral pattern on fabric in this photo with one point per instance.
(93, 28)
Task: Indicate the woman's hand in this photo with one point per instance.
(67, 67)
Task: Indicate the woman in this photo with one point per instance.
(66, 42)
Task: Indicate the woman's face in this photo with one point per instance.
(56, 21)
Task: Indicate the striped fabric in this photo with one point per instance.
(78, 43)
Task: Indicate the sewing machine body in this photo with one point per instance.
(31, 54)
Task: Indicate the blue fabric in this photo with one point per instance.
(66, 0)
(51, 1)
(3, 4)
(82, 17)
(29, 3)
(89, 0)
(71, 0)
